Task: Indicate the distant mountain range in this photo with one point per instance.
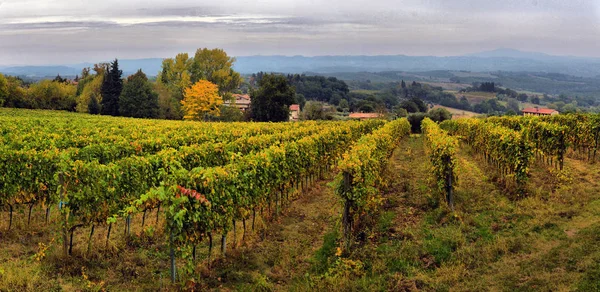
(496, 60)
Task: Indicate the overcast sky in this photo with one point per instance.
(73, 31)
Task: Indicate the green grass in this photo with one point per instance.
(492, 241)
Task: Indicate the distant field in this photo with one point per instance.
(448, 85)
(365, 91)
(476, 96)
(473, 74)
(458, 113)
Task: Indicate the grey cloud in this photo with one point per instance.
(33, 31)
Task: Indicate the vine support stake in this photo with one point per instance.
(450, 197)
(108, 233)
(210, 246)
(224, 243)
(347, 217)
(90, 240)
(234, 235)
(10, 208)
(29, 215)
(157, 213)
(47, 214)
(65, 215)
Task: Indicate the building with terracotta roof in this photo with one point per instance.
(242, 101)
(294, 112)
(364, 116)
(536, 111)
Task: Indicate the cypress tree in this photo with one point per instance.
(93, 106)
(111, 89)
(138, 99)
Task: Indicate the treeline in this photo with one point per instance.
(198, 87)
(334, 92)
(46, 94)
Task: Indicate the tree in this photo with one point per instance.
(487, 87)
(439, 114)
(169, 106)
(409, 106)
(89, 88)
(420, 103)
(93, 106)
(271, 101)
(3, 89)
(535, 99)
(403, 84)
(315, 110)
(514, 105)
(16, 95)
(60, 79)
(400, 112)
(522, 97)
(138, 99)
(230, 114)
(415, 121)
(201, 101)
(215, 66)
(48, 94)
(111, 89)
(344, 106)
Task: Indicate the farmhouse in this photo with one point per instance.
(536, 111)
(242, 101)
(294, 112)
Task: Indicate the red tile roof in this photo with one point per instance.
(295, 107)
(364, 115)
(543, 111)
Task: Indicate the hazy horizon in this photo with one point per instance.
(36, 32)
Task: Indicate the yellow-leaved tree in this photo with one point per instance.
(201, 101)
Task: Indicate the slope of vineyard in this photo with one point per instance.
(95, 203)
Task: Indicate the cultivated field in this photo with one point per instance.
(94, 203)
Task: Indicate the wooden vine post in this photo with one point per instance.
(347, 217)
(449, 187)
(64, 215)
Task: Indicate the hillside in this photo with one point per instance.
(499, 60)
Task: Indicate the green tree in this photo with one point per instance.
(138, 99)
(410, 106)
(111, 90)
(48, 94)
(169, 106)
(271, 101)
(16, 95)
(439, 114)
(93, 106)
(522, 97)
(230, 114)
(217, 67)
(344, 106)
(400, 112)
(88, 88)
(3, 89)
(415, 121)
(514, 105)
(60, 79)
(314, 110)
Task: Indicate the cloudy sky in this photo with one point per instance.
(73, 31)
